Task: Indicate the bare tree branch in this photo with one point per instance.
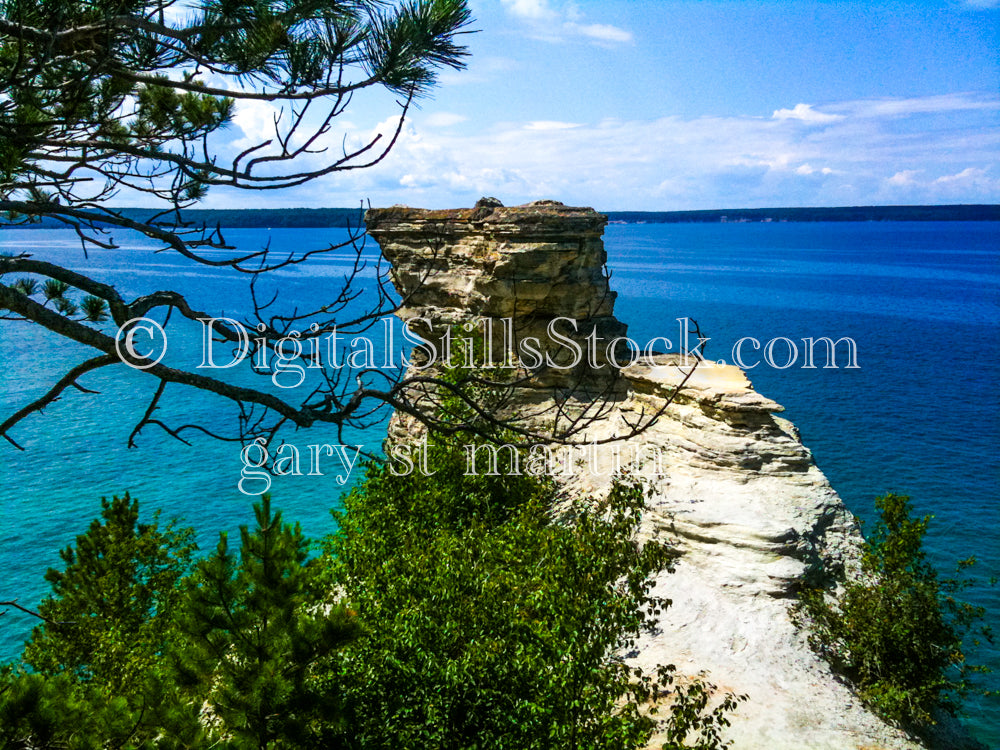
(100, 108)
(13, 603)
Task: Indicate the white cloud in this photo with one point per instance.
(535, 10)
(919, 105)
(905, 177)
(808, 169)
(966, 175)
(969, 185)
(256, 120)
(443, 119)
(805, 113)
(969, 182)
(550, 125)
(701, 162)
(557, 24)
(888, 108)
(602, 32)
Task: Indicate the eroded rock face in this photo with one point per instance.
(527, 264)
(733, 486)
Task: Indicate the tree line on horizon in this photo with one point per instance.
(310, 218)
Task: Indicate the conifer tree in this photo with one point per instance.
(254, 631)
(102, 638)
(107, 619)
(39, 712)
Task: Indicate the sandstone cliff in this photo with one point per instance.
(733, 485)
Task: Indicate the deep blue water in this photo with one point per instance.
(920, 416)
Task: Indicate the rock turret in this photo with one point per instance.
(527, 265)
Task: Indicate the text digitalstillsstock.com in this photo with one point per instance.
(142, 343)
(289, 357)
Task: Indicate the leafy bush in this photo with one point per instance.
(689, 718)
(492, 623)
(897, 630)
(476, 619)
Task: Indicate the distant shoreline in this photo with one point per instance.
(969, 212)
(304, 218)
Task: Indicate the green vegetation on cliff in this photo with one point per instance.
(897, 630)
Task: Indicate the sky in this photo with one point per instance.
(660, 106)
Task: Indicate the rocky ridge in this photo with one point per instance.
(733, 485)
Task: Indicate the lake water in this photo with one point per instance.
(920, 415)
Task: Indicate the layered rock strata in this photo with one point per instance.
(733, 486)
(521, 268)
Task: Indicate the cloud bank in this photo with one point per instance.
(925, 150)
(849, 153)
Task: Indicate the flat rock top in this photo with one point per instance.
(565, 219)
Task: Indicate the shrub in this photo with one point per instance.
(897, 630)
(492, 623)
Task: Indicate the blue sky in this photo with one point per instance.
(692, 105)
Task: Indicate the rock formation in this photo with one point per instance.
(733, 485)
(528, 265)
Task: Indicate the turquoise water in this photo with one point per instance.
(921, 414)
